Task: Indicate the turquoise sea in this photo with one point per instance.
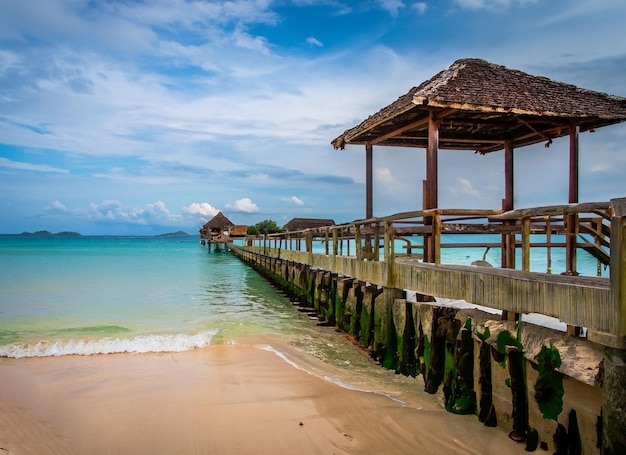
(89, 295)
(92, 295)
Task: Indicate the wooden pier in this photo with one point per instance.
(382, 279)
(357, 277)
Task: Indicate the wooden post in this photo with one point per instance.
(574, 131)
(614, 384)
(327, 246)
(618, 263)
(369, 182)
(389, 253)
(432, 162)
(572, 219)
(509, 176)
(431, 198)
(508, 203)
(526, 244)
(437, 238)
(377, 240)
(357, 241)
(309, 245)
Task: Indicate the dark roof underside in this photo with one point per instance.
(480, 105)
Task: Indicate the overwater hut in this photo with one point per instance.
(299, 224)
(217, 229)
(483, 107)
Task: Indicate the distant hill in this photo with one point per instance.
(174, 234)
(50, 234)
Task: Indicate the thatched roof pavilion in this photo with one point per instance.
(299, 224)
(477, 105)
(480, 105)
(217, 225)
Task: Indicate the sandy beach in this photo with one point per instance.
(223, 399)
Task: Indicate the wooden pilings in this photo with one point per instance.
(468, 356)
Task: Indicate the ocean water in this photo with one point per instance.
(90, 295)
(99, 295)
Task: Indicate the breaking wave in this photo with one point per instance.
(138, 344)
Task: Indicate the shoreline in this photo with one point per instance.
(230, 398)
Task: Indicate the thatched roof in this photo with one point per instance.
(218, 222)
(481, 104)
(298, 224)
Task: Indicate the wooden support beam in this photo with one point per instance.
(432, 161)
(526, 244)
(431, 183)
(509, 181)
(574, 131)
(369, 182)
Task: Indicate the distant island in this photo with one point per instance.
(76, 234)
(50, 234)
(174, 234)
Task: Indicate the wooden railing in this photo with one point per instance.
(413, 251)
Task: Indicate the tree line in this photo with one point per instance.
(264, 227)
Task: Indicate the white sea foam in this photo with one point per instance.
(139, 344)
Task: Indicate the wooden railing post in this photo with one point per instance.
(571, 231)
(389, 253)
(357, 241)
(377, 242)
(526, 244)
(618, 261)
(437, 238)
(309, 245)
(614, 385)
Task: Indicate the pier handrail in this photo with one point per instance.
(389, 251)
(586, 226)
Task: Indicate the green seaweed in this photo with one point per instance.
(483, 336)
(378, 331)
(390, 358)
(549, 385)
(503, 340)
(365, 323)
(339, 309)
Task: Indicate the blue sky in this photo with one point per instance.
(124, 117)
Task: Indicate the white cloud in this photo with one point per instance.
(464, 186)
(420, 7)
(296, 201)
(114, 211)
(490, 4)
(384, 175)
(9, 60)
(243, 205)
(30, 167)
(314, 42)
(56, 206)
(392, 6)
(202, 210)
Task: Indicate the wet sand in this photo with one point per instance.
(223, 399)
